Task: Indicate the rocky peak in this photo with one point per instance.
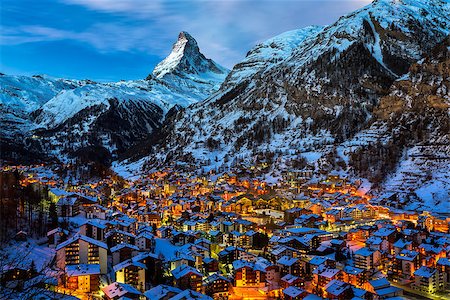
(186, 59)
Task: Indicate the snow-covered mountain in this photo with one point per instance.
(319, 93)
(68, 117)
(417, 114)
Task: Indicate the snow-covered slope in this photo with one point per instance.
(319, 94)
(20, 95)
(24, 93)
(417, 113)
(269, 53)
(69, 116)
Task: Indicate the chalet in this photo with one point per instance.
(71, 204)
(388, 235)
(131, 272)
(338, 290)
(187, 277)
(181, 259)
(289, 265)
(324, 274)
(122, 252)
(406, 262)
(401, 245)
(247, 275)
(354, 276)
(94, 229)
(116, 236)
(56, 236)
(443, 266)
(154, 267)
(81, 249)
(210, 265)
(382, 289)
(145, 241)
(83, 277)
(367, 259)
(54, 194)
(229, 254)
(217, 286)
(68, 206)
(427, 280)
(291, 280)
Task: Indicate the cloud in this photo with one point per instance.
(139, 7)
(225, 29)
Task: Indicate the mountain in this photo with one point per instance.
(317, 95)
(89, 119)
(186, 61)
(19, 97)
(417, 114)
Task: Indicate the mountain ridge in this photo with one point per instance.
(73, 116)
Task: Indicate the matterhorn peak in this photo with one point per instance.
(186, 58)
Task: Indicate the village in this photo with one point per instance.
(231, 235)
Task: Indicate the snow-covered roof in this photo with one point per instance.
(425, 272)
(364, 252)
(287, 261)
(289, 278)
(124, 245)
(379, 283)
(87, 239)
(117, 290)
(161, 291)
(318, 260)
(83, 269)
(337, 287)
(444, 261)
(190, 295)
(128, 263)
(293, 291)
(183, 270)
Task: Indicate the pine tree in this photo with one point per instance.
(33, 271)
(53, 215)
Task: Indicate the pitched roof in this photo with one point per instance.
(425, 272)
(184, 270)
(83, 269)
(87, 239)
(293, 291)
(161, 291)
(117, 289)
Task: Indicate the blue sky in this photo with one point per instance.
(124, 39)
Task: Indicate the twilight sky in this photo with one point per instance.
(124, 39)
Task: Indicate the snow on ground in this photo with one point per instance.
(23, 253)
(425, 173)
(128, 170)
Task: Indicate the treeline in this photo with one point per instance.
(24, 207)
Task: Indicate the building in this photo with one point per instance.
(338, 290)
(187, 277)
(427, 280)
(131, 272)
(367, 259)
(217, 286)
(83, 277)
(294, 293)
(247, 275)
(81, 249)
